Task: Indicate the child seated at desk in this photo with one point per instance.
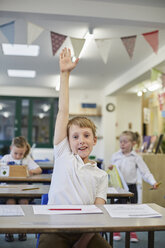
(19, 155)
(76, 180)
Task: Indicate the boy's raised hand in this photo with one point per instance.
(66, 63)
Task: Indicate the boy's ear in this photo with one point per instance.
(95, 141)
(10, 148)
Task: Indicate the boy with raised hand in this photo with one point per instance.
(75, 179)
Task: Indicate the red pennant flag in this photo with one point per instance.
(57, 41)
(129, 43)
(152, 39)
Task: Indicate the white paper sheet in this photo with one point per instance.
(131, 211)
(66, 209)
(112, 190)
(11, 210)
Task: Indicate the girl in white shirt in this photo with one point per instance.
(19, 155)
(128, 161)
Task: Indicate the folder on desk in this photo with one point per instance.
(14, 171)
(116, 179)
(18, 171)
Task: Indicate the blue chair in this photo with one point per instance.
(44, 201)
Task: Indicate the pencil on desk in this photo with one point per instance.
(30, 189)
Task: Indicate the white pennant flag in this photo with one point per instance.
(33, 32)
(103, 46)
(77, 45)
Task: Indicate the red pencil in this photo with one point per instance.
(65, 209)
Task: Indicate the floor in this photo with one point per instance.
(31, 241)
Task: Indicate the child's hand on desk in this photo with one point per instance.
(31, 173)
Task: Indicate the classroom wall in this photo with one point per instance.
(129, 115)
(109, 125)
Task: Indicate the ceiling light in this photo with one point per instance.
(139, 93)
(6, 114)
(154, 86)
(58, 85)
(21, 73)
(20, 50)
(41, 115)
(144, 90)
(45, 107)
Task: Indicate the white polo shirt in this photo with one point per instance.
(128, 165)
(74, 182)
(31, 164)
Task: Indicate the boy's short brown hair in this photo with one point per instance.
(81, 122)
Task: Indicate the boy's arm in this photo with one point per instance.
(99, 200)
(66, 66)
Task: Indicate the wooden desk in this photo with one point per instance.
(121, 193)
(31, 223)
(16, 190)
(46, 165)
(41, 178)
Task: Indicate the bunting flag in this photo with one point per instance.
(8, 30)
(129, 43)
(57, 41)
(103, 46)
(152, 39)
(34, 32)
(77, 45)
(155, 74)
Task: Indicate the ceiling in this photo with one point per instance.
(106, 19)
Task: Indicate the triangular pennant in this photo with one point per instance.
(152, 39)
(57, 41)
(8, 30)
(129, 43)
(77, 45)
(33, 32)
(103, 46)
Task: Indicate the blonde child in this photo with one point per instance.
(19, 155)
(128, 161)
(76, 179)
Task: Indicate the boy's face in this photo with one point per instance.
(126, 144)
(81, 141)
(17, 153)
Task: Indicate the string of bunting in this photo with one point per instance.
(57, 39)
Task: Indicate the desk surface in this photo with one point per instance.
(37, 178)
(121, 193)
(31, 223)
(46, 165)
(17, 190)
